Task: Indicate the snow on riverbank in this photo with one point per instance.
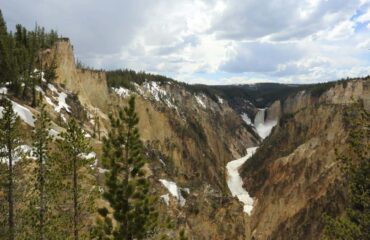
(235, 182)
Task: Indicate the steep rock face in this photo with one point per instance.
(90, 85)
(194, 135)
(198, 134)
(344, 93)
(295, 175)
(274, 111)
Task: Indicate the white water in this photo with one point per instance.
(235, 182)
(263, 128)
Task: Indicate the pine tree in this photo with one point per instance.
(355, 223)
(127, 187)
(50, 71)
(9, 140)
(41, 150)
(74, 145)
(5, 53)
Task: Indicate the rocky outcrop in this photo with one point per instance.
(295, 176)
(274, 111)
(89, 85)
(341, 93)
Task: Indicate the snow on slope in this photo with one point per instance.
(151, 90)
(155, 90)
(3, 90)
(166, 199)
(174, 190)
(23, 113)
(200, 102)
(246, 119)
(235, 182)
(122, 92)
(61, 99)
(18, 154)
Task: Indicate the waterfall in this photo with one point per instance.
(260, 117)
(263, 128)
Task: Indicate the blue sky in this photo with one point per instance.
(212, 41)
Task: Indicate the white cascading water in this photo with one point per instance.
(234, 181)
(263, 127)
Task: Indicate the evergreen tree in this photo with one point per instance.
(41, 151)
(74, 146)
(355, 223)
(50, 71)
(3, 29)
(127, 187)
(6, 72)
(9, 140)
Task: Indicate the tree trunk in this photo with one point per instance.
(75, 203)
(42, 194)
(127, 147)
(10, 191)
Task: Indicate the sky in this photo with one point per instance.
(211, 41)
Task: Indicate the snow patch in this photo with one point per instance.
(220, 100)
(235, 182)
(62, 103)
(63, 117)
(174, 190)
(54, 134)
(166, 199)
(122, 92)
(24, 113)
(39, 89)
(155, 90)
(49, 101)
(139, 89)
(163, 163)
(52, 88)
(3, 90)
(18, 154)
(61, 99)
(246, 119)
(102, 170)
(200, 102)
(88, 156)
(43, 77)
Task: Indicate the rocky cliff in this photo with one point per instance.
(189, 136)
(295, 175)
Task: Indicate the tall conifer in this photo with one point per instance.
(9, 140)
(74, 146)
(41, 151)
(127, 187)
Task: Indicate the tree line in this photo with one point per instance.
(21, 60)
